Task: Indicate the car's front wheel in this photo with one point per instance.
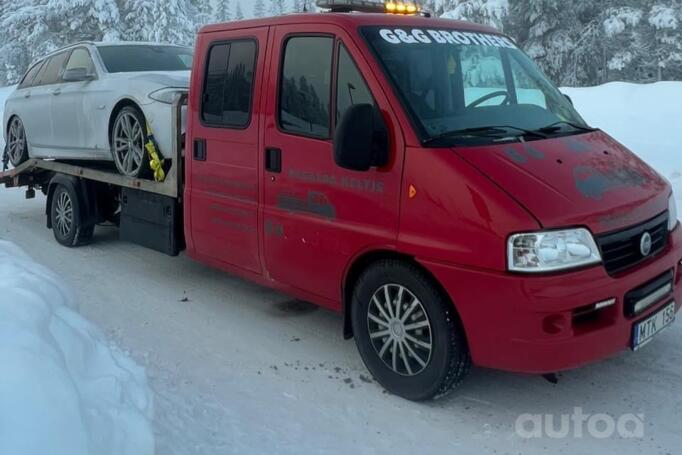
(408, 332)
(17, 146)
(128, 139)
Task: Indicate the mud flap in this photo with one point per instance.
(151, 220)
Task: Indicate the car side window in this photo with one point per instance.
(228, 84)
(52, 73)
(305, 86)
(351, 88)
(27, 81)
(80, 58)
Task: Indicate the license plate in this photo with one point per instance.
(646, 330)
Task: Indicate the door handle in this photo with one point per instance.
(27, 95)
(273, 160)
(199, 150)
(57, 92)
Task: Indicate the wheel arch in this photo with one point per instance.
(123, 102)
(362, 263)
(86, 203)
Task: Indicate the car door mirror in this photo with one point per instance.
(79, 74)
(570, 100)
(360, 141)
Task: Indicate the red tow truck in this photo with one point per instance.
(420, 176)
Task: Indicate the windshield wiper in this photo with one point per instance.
(556, 126)
(497, 132)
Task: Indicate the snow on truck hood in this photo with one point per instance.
(588, 179)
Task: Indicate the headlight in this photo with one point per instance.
(672, 212)
(549, 251)
(166, 95)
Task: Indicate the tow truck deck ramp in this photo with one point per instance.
(150, 211)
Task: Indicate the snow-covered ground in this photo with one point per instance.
(236, 368)
(64, 389)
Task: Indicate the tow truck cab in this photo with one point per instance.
(426, 179)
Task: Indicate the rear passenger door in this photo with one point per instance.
(222, 161)
(36, 114)
(317, 216)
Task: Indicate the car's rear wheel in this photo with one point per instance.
(408, 332)
(17, 146)
(128, 139)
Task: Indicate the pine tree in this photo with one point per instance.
(259, 8)
(222, 11)
(276, 8)
(239, 14)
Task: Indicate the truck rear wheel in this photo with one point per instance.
(66, 219)
(407, 332)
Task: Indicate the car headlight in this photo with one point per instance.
(166, 95)
(672, 213)
(550, 251)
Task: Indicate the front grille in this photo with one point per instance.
(621, 250)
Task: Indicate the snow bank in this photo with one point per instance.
(63, 389)
(644, 117)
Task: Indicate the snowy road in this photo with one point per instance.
(237, 368)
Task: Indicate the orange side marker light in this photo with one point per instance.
(412, 192)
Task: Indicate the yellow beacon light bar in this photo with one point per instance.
(371, 6)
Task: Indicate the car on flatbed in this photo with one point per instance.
(97, 101)
(420, 176)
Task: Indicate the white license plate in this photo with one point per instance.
(646, 330)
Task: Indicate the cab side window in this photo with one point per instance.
(351, 88)
(80, 58)
(27, 81)
(52, 73)
(305, 86)
(228, 84)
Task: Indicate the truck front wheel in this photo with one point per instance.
(65, 217)
(407, 332)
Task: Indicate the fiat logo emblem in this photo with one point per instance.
(645, 244)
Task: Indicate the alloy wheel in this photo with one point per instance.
(16, 141)
(400, 330)
(64, 214)
(128, 144)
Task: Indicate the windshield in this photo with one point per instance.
(132, 58)
(455, 82)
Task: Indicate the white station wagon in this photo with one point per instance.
(93, 101)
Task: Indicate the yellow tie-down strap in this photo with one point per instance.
(156, 161)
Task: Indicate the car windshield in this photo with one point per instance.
(131, 58)
(459, 86)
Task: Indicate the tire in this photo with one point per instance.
(128, 139)
(17, 145)
(66, 218)
(431, 320)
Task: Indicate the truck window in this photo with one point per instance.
(228, 86)
(305, 86)
(351, 87)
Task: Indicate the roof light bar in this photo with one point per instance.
(370, 6)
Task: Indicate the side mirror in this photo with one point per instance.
(361, 140)
(77, 75)
(569, 99)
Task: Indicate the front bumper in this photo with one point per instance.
(537, 324)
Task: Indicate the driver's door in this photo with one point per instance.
(316, 215)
